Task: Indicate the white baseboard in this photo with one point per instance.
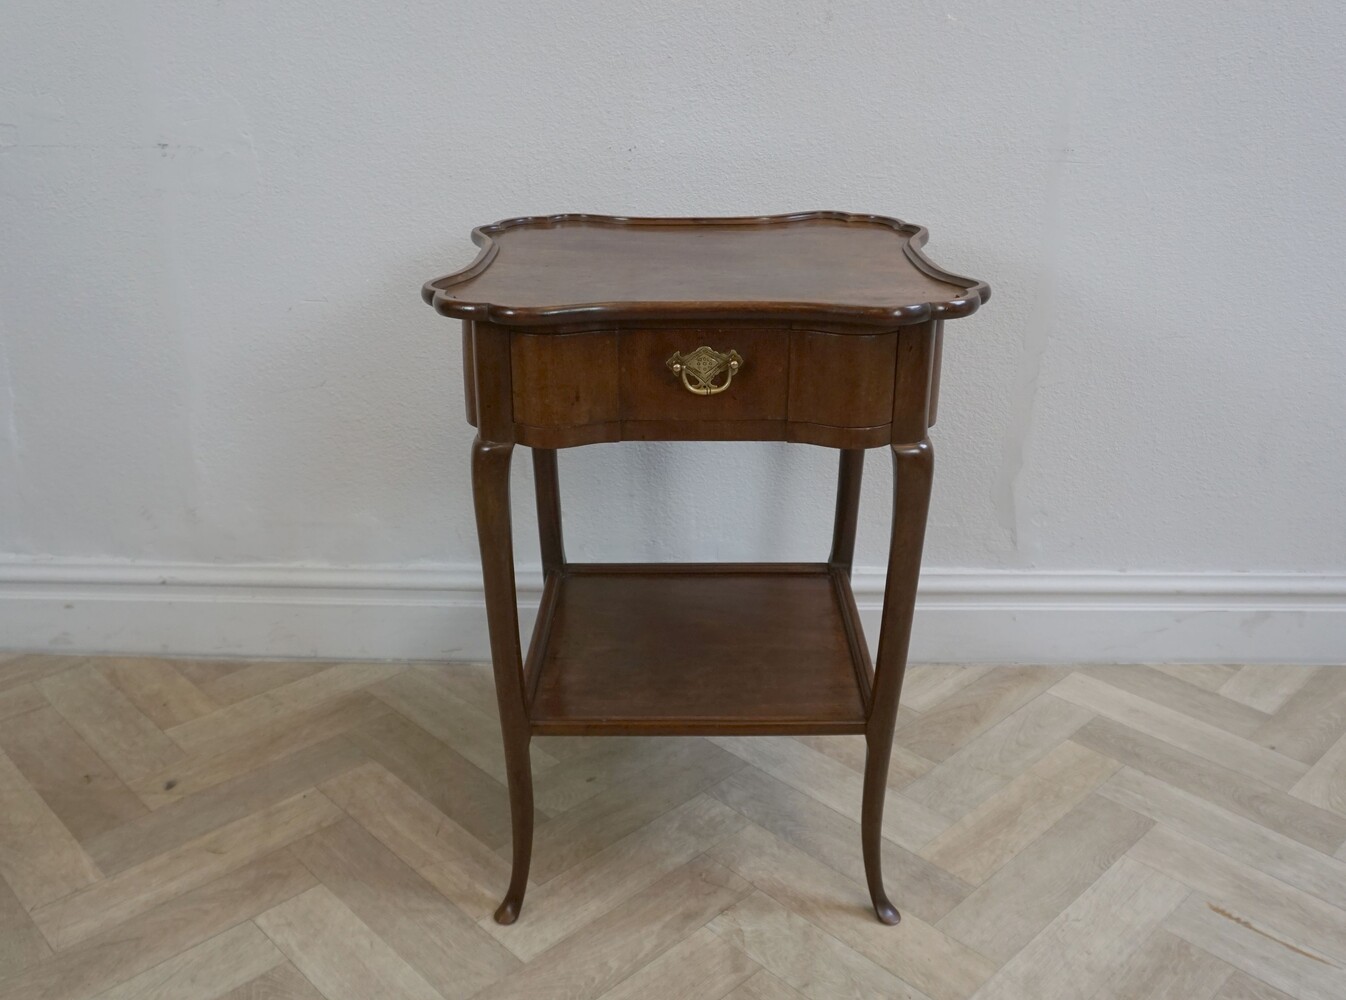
(436, 612)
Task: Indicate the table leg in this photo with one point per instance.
(490, 490)
(849, 472)
(548, 489)
(913, 467)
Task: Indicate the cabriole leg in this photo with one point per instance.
(490, 490)
(913, 467)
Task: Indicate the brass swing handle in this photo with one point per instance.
(702, 367)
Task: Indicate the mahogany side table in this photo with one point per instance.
(821, 327)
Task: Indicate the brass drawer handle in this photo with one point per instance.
(702, 367)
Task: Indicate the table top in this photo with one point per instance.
(811, 266)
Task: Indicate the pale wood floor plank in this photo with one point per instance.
(1230, 834)
(338, 953)
(835, 785)
(453, 955)
(686, 768)
(921, 888)
(243, 717)
(1273, 808)
(255, 677)
(206, 971)
(603, 881)
(130, 743)
(455, 786)
(1242, 986)
(39, 858)
(1211, 676)
(21, 943)
(113, 900)
(970, 711)
(126, 950)
(1182, 731)
(1166, 967)
(1281, 964)
(764, 986)
(1086, 821)
(20, 699)
(926, 685)
(920, 954)
(699, 967)
(464, 869)
(1182, 696)
(229, 758)
(1032, 888)
(202, 671)
(627, 938)
(1325, 784)
(1266, 687)
(810, 960)
(156, 688)
(990, 835)
(904, 767)
(29, 668)
(989, 762)
(83, 792)
(1311, 720)
(426, 700)
(284, 982)
(609, 760)
(1265, 903)
(172, 826)
(1079, 951)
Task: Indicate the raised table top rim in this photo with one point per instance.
(966, 294)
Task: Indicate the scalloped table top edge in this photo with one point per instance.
(800, 267)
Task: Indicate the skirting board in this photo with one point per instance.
(437, 613)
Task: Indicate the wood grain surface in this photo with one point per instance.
(1050, 834)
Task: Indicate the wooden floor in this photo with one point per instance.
(188, 830)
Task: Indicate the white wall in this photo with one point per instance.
(216, 370)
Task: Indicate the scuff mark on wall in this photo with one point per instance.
(1009, 500)
(208, 148)
(11, 468)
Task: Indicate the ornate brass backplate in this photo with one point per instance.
(702, 367)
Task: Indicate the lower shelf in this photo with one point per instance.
(698, 648)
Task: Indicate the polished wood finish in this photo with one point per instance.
(571, 326)
(913, 466)
(565, 380)
(490, 486)
(842, 380)
(650, 392)
(850, 472)
(828, 386)
(718, 648)
(547, 487)
(547, 270)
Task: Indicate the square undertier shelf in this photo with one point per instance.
(708, 648)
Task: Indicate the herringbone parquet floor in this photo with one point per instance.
(187, 830)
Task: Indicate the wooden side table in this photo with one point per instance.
(823, 328)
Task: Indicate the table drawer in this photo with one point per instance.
(742, 375)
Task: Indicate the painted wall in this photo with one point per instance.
(215, 220)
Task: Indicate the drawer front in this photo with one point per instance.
(842, 379)
(564, 379)
(707, 388)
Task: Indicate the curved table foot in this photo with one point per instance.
(887, 912)
(508, 911)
